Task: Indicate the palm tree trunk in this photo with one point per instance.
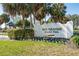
(5, 26)
(30, 21)
(34, 18)
(23, 23)
(45, 12)
(45, 19)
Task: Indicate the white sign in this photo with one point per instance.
(57, 30)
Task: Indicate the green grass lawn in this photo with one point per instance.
(34, 48)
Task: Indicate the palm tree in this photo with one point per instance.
(47, 9)
(14, 9)
(24, 11)
(39, 11)
(30, 14)
(10, 8)
(58, 11)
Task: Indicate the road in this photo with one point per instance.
(4, 37)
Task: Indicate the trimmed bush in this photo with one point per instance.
(29, 33)
(20, 34)
(16, 34)
(11, 34)
(76, 40)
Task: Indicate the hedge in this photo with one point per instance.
(20, 34)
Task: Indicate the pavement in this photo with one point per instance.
(4, 37)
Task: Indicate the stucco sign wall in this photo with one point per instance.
(57, 30)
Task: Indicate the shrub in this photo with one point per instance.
(76, 32)
(11, 34)
(20, 34)
(28, 33)
(16, 34)
(75, 39)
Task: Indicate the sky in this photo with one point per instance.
(72, 8)
(1, 9)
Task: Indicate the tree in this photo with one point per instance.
(1, 20)
(5, 18)
(23, 9)
(19, 24)
(17, 9)
(9, 8)
(39, 11)
(75, 19)
(30, 13)
(57, 11)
